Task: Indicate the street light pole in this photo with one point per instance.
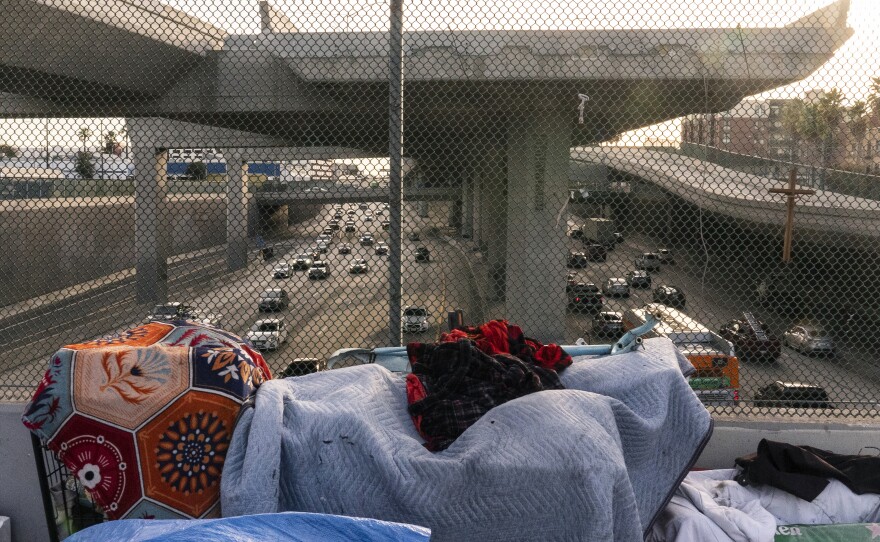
(395, 184)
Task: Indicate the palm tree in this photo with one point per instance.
(857, 121)
(84, 135)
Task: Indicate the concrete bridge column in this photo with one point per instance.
(238, 203)
(537, 190)
(492, 194)
(151, 224)
(467, 198)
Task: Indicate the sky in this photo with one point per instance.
(850, 69)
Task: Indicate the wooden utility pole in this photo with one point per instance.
(791, 193)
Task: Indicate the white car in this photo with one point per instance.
(616, 286)
(268, 334)
(415, 319)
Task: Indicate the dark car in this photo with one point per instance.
(414, 236)
(350, 227)
(649, 261)
(337, 215)
(303, 366)
(386, 225)
(792, 395)
(618, 237)
(329, 231)
(367, 240)
(176, 310)
(301, 262)
(576, 233)
(319, 270)
(273, 299)
(345, 248)
(608, 324)
(358, 267)
(671, 296)
(585, 297)
(666, 256)
(334, 226)
(423, 254)
(638, 279)
(382, 249)
(596, 251)
(570, 281)
(751, 338)
(577, 259)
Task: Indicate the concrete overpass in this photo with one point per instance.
(740, 195)
(495, 112)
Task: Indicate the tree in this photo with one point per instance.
(197, 171)
(857, 121)
(110, 143)
(8, 151)
(84, 166)
(873, 101)
(792, 115)
(84, 135)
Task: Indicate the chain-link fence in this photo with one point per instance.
(318, 176)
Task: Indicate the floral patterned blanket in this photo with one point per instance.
(144, 420)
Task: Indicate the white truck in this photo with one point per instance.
(600, 230)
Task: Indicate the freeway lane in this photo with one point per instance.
(848, 377)
(342, 311)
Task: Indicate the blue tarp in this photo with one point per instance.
(283, 527)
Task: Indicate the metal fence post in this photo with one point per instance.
(395, 150)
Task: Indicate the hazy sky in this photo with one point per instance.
(850, 69)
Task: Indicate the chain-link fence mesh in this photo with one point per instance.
(568, 166)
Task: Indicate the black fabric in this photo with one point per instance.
(462, 383)
(804, 471)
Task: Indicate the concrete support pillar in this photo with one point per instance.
(492, 194)
(151, 224)
(237, 211)
(537, 190)
(468, 203)
(455, 213)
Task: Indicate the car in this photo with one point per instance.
(618, 237)
(781, 394)
(363, 205)
(608, 324)
(638, 279)
(315, 190)
(282, 271)
(267, 334)
(649, 261)
(414, 236)
(334, 227)
(350, 227)
(380, 211)
(328, 232)
(570, 281)
(337, 215)
(576, 233)
(671, 296)
(423, 254)
(809, 339)
(303, 366)
(325, 238)
(382, 249)
(596, 252)
(322, 247)
(273, 299)
(666, 256)
(301, 262)
(358, 267)
(415, 319)
(616, 286)
(714, 390)
(176, 310)
(751, 338)
(585, 297)
(366, 240)
(368, 218)
(344, 248)
(319, 270)
(386, 225)
(351, 212)
(576, 259)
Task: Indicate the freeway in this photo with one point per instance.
(342, 311)
(850, 379)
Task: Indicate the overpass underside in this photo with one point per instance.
(488, 115)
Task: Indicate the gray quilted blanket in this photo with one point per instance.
(596, 461)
